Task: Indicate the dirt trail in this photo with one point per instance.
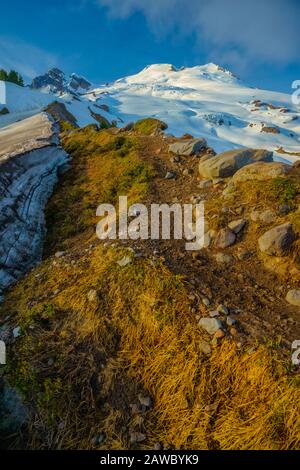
(254, 295)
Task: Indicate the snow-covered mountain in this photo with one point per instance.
(206, 101)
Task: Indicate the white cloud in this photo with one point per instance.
(26, 58)
(247, 31)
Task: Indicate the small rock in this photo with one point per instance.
(204, 347)
(136, 437)
(145, 400)
(293, 297)
(243, 254)
(219, 333)
(225, 238)
(222, 309)
(188, 147)
(187, 172)
(234, 332)
(230, 321)
(284, 209)
(170, 175)
(205, 184)
(214, 313)
(205, 301)
(211, 325)
(237, 225)
(137, 408)
(157, 446)
(97, 440)
(92, 295)
(217, 181)
(125, 261)
(16, 332)
(59, 254)
(266, 217)
(277, 241)
(223, 258)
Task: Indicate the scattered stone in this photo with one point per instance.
(293, 297)
(158, 446)
(97, 440)
(16, 332)
(145, 400)
(230, 321)
(92, 295)
(188, 147)
(136, 437)
(278, 240)
(187, 172)
(222, 309)
(214, 313)
(206, 301)
(205, 184)
(137, 408)
(211, 325)
(243, 254)
(218, 181)
(237, 225)
(284, 209)
(225, 238)
(262, 171)
(59, 254)
(228, 163)
(267, 217)
(125, 261)
(204, 347)
(176, 159)
(223, 258)
(170, 175)
(219, 334)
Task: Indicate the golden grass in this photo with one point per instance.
(138, 336)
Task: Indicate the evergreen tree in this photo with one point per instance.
(3, 75)
(12, 76)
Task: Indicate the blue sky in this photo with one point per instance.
(108, 39)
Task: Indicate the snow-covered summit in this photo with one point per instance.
(205, 101)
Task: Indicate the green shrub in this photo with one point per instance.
(284, 189)
(149, 125)
(4, 111)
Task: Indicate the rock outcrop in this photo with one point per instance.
(278, 240)
(188, 147)
(261, 171)
(56, 81)
(228, 163)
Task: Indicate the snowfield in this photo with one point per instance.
(205, 101)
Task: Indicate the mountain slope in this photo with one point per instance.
(205, 101)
